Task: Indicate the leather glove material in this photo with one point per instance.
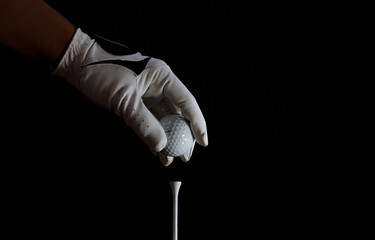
(140, 89)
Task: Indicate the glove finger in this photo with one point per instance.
(149, 129)
(142, 121)
(178, 94)
(165, 160)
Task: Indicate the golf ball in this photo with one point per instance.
(179, 135)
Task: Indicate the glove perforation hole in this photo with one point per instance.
(146, 128)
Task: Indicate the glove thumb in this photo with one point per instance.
(137, 116)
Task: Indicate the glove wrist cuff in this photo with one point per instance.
(71, 60)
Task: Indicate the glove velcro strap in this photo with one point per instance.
(56, 63)
(70, 64)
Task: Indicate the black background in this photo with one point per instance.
(255, 67)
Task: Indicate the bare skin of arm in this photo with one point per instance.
(33, 28)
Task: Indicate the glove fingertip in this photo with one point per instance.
(165, 160)
(160, 145)
(202, 139)
(185, 157)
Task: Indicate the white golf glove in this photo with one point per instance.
(139, 89)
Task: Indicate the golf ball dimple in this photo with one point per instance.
(179, 135)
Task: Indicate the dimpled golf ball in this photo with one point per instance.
(179, 135)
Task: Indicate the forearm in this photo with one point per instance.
(33, 28)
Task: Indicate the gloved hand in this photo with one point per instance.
(139, 89)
